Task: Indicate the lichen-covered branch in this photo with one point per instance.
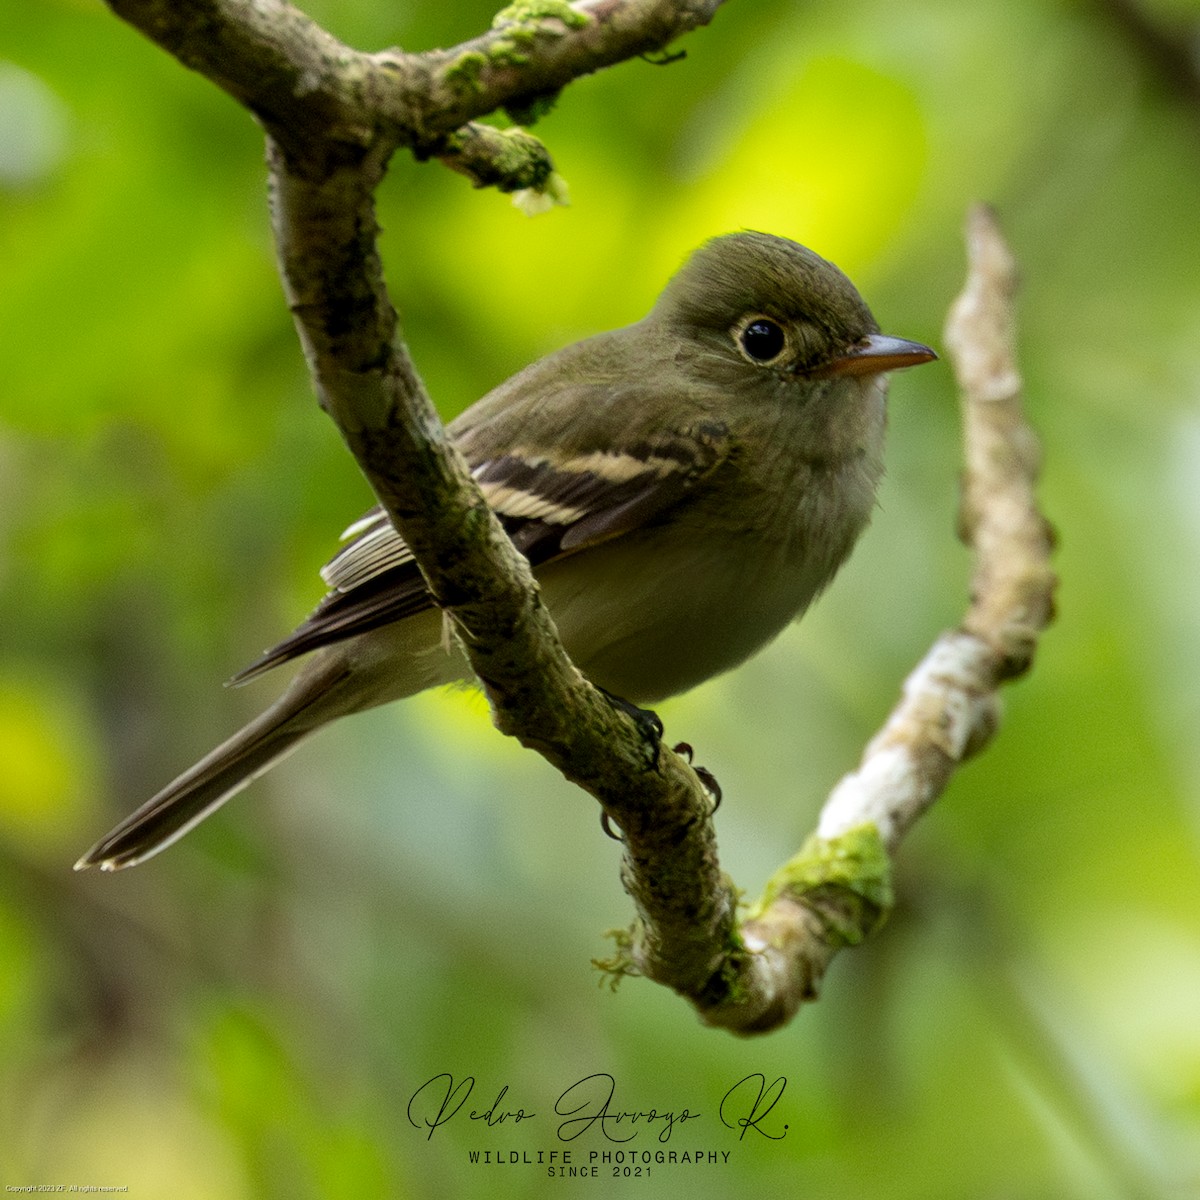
(836, 890)
(508, 159)
(333, 117)
(320, 99)
(536, 47)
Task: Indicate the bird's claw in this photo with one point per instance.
(707, 779)
(648, 722)
(607, 825)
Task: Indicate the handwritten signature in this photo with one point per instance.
(591, 1104)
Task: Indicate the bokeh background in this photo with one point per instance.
(248, 1015)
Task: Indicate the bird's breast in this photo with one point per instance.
(659, 611)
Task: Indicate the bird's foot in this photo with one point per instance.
(648, 722)
(706, 777)
(650, 726)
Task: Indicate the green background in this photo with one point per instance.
(248, 1015)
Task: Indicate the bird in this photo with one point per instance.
(682, 487)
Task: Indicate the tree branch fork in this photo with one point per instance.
(333, 116)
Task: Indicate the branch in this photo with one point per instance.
(836, 890)
(333, 117)
(322, 100)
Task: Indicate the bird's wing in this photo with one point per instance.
(549, 510)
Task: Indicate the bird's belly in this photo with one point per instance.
(649, 621)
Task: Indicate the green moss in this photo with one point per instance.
(509, 159)
(621, 963)
(530, 12)
(503, 51)
(845, 880)
(531, 109)
(522, 23)
(464, 72)
(522, 161)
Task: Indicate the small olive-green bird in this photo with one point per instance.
(682, 487)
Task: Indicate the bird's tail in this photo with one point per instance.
(203, 788)
(377, 667)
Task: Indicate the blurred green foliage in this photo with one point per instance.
(248, 1015)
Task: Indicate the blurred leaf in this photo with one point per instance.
(832, 154)
(49, 763)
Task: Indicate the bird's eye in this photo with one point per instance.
(762, 340)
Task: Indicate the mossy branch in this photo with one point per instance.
(333, 118)
(837, 890)
(324, 102)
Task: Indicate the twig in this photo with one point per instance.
(333, 117)
(837, 889)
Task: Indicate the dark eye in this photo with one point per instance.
(763, 340)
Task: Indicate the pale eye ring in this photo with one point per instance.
(762, 340)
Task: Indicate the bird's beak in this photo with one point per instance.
(875, 354)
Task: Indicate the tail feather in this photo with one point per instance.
(310, 702)
(374, 668)
(199, 791)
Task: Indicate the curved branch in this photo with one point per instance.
(836, 890)
(333, 117)
(320, 99)
(536, 47)
(322, 199)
